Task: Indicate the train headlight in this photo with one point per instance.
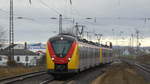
(52, 58)
(69, 59)
(61, 38)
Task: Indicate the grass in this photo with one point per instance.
(13, 71)
(120, 74)
(144, 59)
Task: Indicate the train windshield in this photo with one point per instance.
(61, 47)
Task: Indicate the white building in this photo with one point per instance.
(32, 47)
(37, 47)
(19, 46)
(147, 51)
(126, 52)
(21, 56)
(3, 60)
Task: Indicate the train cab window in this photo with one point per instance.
(61, 47)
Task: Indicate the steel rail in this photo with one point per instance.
(143, 67)
(21, 77)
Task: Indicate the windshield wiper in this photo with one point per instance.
(63, 49)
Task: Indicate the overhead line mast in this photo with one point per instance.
(11, 32)
(60, 24)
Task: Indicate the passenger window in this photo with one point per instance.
(18, 58)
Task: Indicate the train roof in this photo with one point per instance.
(81, 40)
(64, 35)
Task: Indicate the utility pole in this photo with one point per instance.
(137, 36)
(113, 34)
(95, 20)
(130, 44)
(99, 36)
(79, 32)
(60, 24)
(76, 30)
(11, 33)
(73, 21)
(87, 34)
(132, 40)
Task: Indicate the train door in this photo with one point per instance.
(104, 56)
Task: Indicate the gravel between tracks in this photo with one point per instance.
(120, 73)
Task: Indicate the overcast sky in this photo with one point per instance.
(119, 15)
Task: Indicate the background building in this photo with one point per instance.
(22, 55)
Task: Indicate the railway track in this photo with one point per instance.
(42, 77)
(11, 80)
(85, 77)
(142, 69)
(55, 81)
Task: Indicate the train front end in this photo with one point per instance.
(62, 55)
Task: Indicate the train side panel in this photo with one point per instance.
(83, 56)
(105, 55)
(109, 55)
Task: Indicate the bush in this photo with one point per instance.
(11, 63)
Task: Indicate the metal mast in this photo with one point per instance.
(76, 31)
(60, 24)
(137, 43)
(99, 36)
(11, 32)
